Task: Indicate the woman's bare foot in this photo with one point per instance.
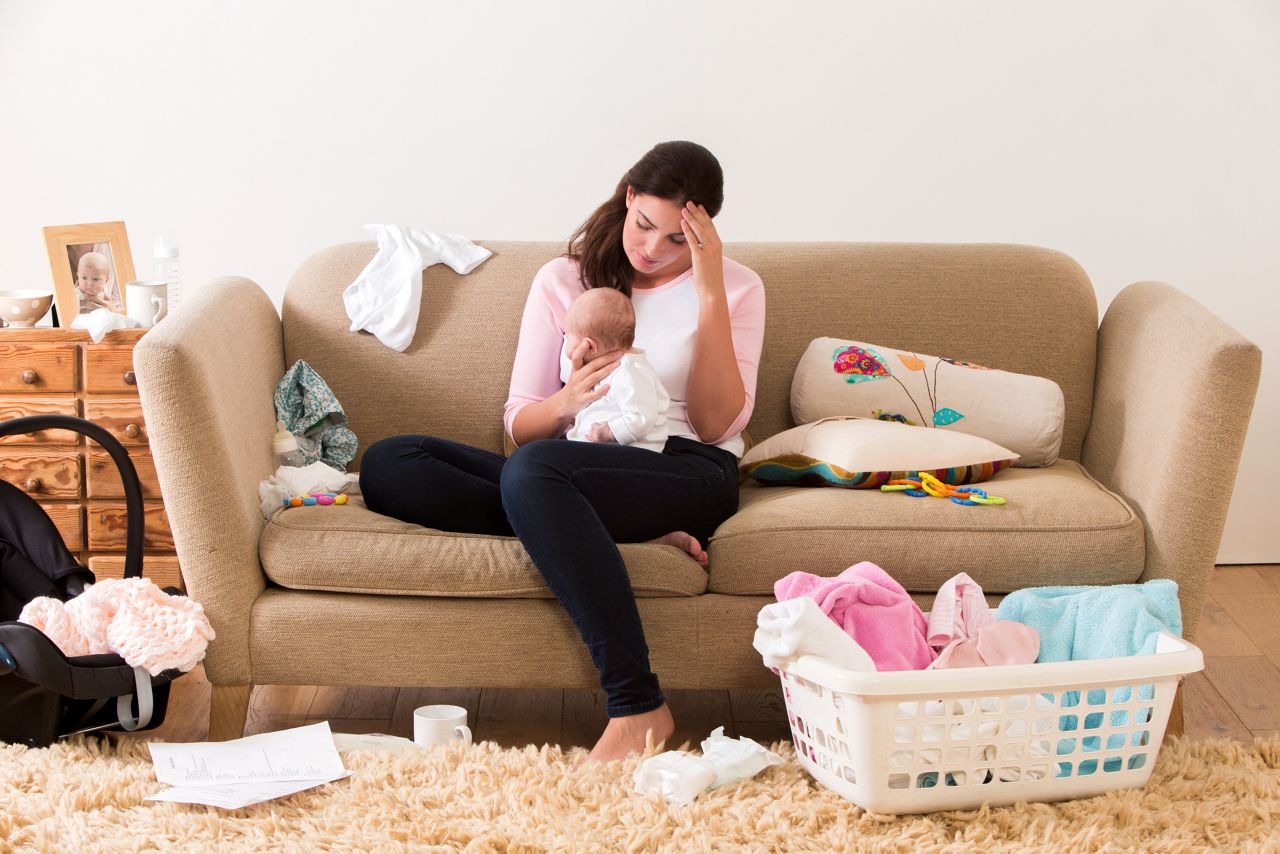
(623, 737)
(684, 542)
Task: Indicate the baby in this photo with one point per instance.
(634, 409)
(93, 276)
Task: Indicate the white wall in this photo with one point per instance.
(1141, 138)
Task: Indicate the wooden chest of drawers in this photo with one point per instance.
(45, 371)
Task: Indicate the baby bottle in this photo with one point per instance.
(168, 265)
(285, 447)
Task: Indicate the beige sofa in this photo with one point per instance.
(1157, 403)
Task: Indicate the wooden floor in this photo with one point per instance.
(1237, 695)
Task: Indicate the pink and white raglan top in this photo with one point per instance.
(666, 328)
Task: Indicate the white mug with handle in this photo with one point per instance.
(435, 725)
(147, 302)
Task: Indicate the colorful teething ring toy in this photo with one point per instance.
(928, 485)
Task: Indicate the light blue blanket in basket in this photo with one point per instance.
(1078, 623)
(1081, 623)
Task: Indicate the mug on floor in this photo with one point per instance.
(434, 725)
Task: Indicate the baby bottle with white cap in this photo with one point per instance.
(168, 266)
(285, 447)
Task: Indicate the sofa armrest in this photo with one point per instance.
(206, 376)
(1172, 398)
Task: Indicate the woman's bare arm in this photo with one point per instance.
(716, 393)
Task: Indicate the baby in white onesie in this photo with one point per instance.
(634, 409)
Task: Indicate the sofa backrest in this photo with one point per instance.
(1019, 308)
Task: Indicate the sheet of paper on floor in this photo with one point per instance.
(237, 795)
(234, 774)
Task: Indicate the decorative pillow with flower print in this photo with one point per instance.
(851, 378)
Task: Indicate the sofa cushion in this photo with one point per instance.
(1058, 523)
(354, 550)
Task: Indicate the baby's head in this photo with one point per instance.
(603, 317)
(93, 273)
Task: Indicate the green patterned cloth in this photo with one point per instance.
(310, 411)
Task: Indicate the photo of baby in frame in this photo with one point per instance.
(96, 282)
(90, 265)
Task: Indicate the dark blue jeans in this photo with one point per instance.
(569, 503)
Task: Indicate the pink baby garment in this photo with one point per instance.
(961, 623)
(871, 608)
(959, 610)
(1000, 642)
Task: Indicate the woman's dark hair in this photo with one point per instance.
(677, 171)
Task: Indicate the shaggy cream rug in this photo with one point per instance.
(88, 796)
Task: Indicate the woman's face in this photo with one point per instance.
(652, 237)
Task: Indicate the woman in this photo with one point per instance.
(700, 320)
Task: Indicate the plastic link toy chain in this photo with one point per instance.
(312, 499)
(929, 485)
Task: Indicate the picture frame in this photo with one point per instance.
(91, 264)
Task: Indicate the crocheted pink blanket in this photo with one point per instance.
(131, 617)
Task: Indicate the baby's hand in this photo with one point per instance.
(600, 432)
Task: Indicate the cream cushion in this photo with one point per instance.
(354, 550)
(863, 453)
(1059, 524)
(1023, 413)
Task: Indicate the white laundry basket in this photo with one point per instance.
(925, 740)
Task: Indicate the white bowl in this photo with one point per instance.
(24, 307)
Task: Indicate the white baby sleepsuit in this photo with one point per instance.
(635, 406)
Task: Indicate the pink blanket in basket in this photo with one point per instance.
(873, 609)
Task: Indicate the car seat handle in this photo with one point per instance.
(128, 474)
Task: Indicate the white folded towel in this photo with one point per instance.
(385, 298)
(787, 630)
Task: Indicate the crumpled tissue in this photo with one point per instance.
(680, 777)
(100, 321)
(289, 481)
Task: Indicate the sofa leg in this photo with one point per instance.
(1176, 723)
(228, 708)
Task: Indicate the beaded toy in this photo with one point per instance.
(321, 498)
(929, 485)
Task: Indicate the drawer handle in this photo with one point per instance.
(30, 377)
(130, 378)
(32, 484)
(132, 431)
